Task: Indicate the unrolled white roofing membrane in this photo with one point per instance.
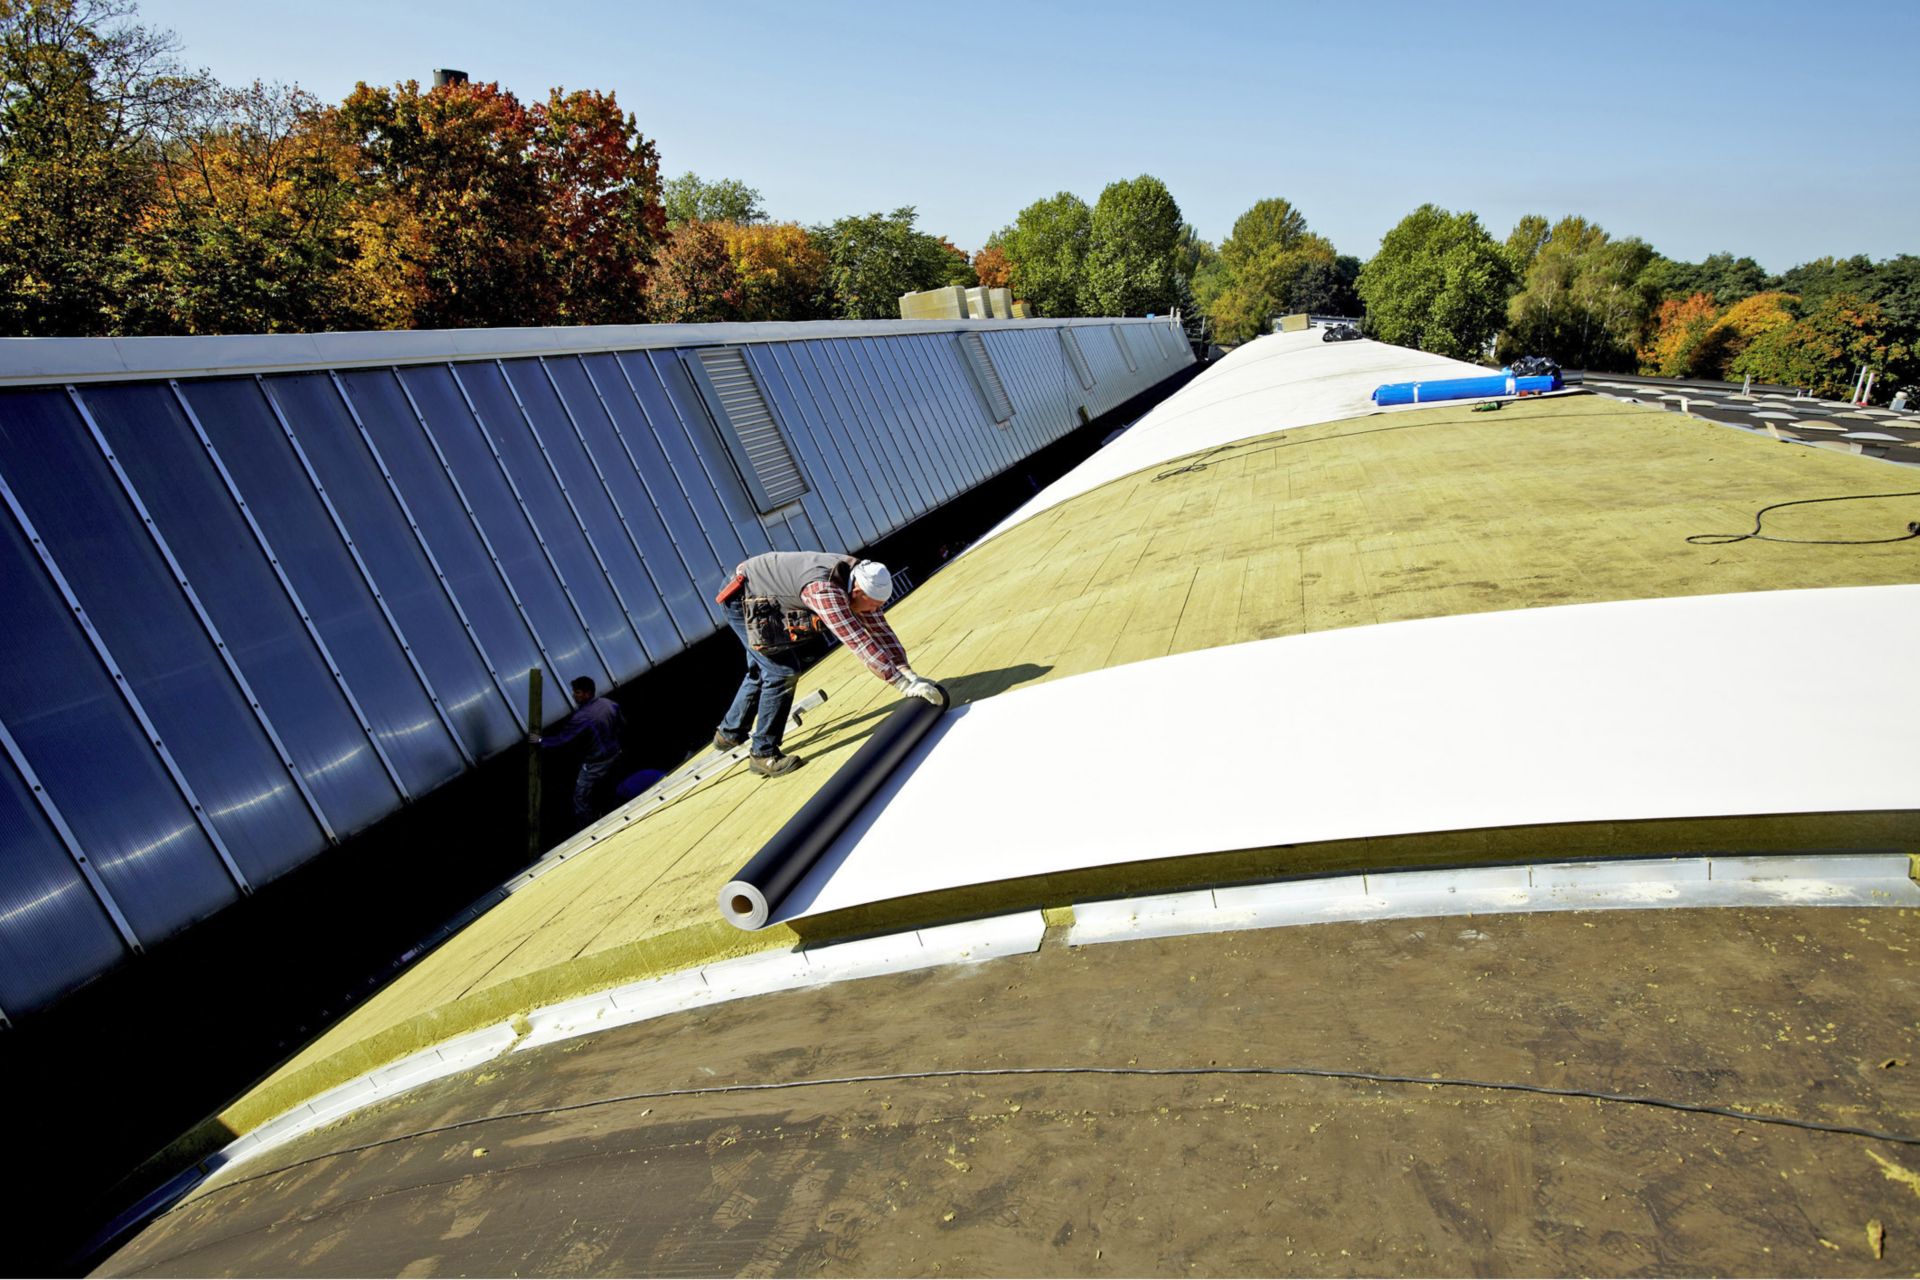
(1282, 380)
(1690, 707)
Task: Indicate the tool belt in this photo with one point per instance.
(774, 629)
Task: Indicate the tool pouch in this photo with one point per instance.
(766, 625)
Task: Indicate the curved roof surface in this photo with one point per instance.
(1308, 524)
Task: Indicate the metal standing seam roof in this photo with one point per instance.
(263, 590)
(1331, 522)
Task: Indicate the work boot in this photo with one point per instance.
(721, 742)
(774, 765)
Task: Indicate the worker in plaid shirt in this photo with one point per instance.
(768, 595)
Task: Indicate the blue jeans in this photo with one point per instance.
(767, 690)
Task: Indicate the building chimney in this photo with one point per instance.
(444, 76)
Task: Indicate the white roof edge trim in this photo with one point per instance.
(36, 361)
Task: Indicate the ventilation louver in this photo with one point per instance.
(748, 428)
(986, 377)
(1120, 341)
(1077, 358)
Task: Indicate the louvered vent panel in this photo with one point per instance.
(1120, 341)
(986, 377)
(775, 476)
(1077, 358)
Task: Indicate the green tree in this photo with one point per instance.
(1327, 288)
(1132, 240)
(1725, 278)
(86, 97)
(691, 198)
(872, 260)
(1583, 301)
(1046, 250)
(694, 280)
(1439, 282)
(1524, 243)
(1263, 261)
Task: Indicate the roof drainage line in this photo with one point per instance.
(125, 688)
(979, 1073)
(293, 596)
(532, 527)
(366, 575)
(473, 519)
(51, 811)
(566, 496)
(420, 539)
(607, 489)
(206, 619)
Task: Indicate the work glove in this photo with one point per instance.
(918, 686)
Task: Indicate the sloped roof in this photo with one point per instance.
(1422, 514)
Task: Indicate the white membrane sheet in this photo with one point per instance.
(1272, 383)
(1694, 707)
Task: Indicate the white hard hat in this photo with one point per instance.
(873, 579)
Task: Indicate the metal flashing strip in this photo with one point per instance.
(769, 972)
(46, 361)
(1759, 880)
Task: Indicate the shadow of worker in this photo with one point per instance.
(980, 685)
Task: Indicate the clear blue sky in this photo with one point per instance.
(1781, 130)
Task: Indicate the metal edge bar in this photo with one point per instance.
(124, 686)
(666, 460)
(156, 359)
(206, 619)
(51, 811)
(286, 585)
(532, 527)
(573, 508)
(612, 502)
(640, 477)
(420, 540)
(473, 518)
(366, 575)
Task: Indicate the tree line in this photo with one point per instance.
(140, 197)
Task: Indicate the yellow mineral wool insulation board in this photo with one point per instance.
(1002, 302)
(1616, 712)
(979, 304)
(1547, 502)
(934, 304)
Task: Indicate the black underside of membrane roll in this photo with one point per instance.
(783, 860)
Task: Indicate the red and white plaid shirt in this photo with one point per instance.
(867, 634)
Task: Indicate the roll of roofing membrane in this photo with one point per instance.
(1493, 384)
(749, 900)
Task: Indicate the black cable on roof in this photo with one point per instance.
(961, 1073)
(1723, 539)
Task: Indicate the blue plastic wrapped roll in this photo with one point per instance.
(1503, 383)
